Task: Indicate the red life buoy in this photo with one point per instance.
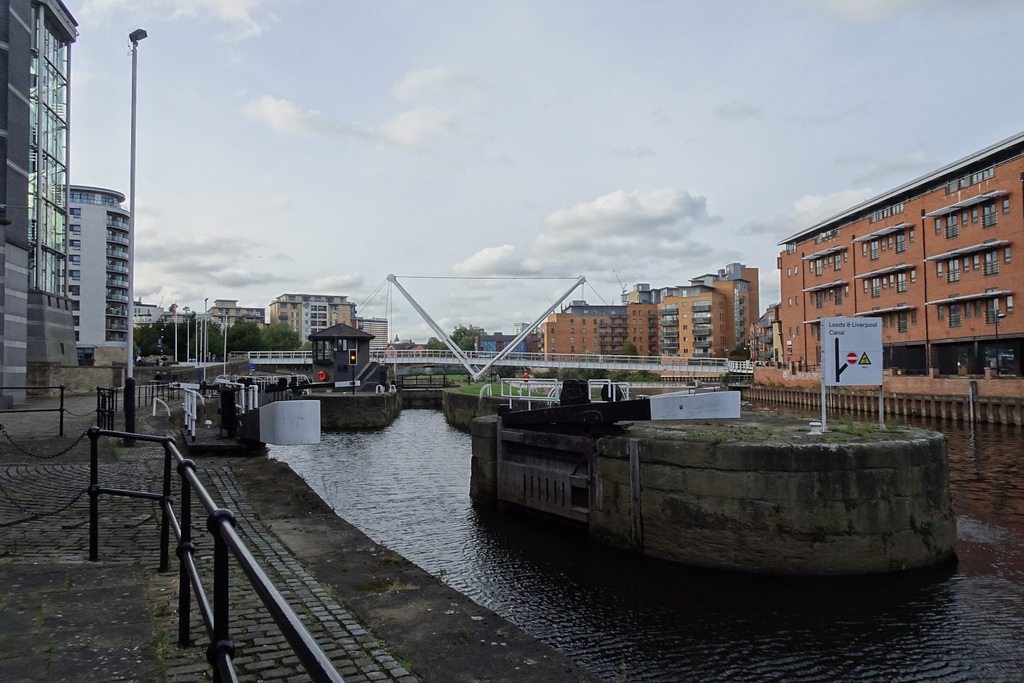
(321, 375)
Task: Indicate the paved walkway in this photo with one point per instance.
(63, 618)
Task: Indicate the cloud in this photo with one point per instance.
(807, 211)
(907, 165)
(424, 83)
(876, 10)
(738, 109)
(412, 129)
(638, 152)
(349, 282)
(245, 18)
(634, 227)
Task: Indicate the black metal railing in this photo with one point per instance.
(59, 409)
(220, 523)
(145, 393)
(106, 407)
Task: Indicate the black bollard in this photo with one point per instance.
(129, 409)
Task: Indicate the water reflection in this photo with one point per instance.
(407, 486)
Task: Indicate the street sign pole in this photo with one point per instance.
(824, 412)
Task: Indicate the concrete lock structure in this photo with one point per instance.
(763, 496)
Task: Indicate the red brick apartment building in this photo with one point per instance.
(932, 258)
(708, 317)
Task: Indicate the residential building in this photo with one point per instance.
(709, 317)
(37, 321)
(378, 327)
(493, 343)
(764, 346)
(227, 312)
(147, 314)
(311, 313)
(98, 272)
(931, 258)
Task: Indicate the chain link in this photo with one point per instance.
(35, 515)
(41, 457)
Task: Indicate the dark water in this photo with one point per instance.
(407, 487)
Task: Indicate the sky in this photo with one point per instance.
(301, 146)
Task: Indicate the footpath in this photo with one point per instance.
(64, 618)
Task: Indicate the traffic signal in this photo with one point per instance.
(352, 357)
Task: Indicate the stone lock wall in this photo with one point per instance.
(356, 411)
(809, 506)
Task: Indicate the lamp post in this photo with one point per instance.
(999, 315)
(188, 329)
(129, 380)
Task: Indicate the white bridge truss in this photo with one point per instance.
(670, 365)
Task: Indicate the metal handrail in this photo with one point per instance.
(60, 409)
(220, 523)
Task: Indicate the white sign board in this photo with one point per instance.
(680, 406)
(851, 352)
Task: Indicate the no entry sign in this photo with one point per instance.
(851, 352)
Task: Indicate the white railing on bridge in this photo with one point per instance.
(660, 364)
(548, 391)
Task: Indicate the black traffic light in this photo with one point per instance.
(352, 357)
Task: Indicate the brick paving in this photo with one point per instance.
(63, 618)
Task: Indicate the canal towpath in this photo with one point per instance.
(64, 618)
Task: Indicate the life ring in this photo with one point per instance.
(321, 375)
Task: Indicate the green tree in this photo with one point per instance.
(465, 337)
(628, 348)
(435, 344)
(279, 337)
(244, 335)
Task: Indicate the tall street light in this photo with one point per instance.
(129, 380)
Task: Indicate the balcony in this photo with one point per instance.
(118, 253)
(955, 320)
(701, 308)
(953, 276)
(988, 220)
(702, 343)
(118, 239)
(117, 225)
(117, 268)
(116, 325)
(702, 329)
(991, 267)
(117, 296)
(702, 318)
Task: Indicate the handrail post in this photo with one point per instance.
(94, 479)
(221, 645)
(165, 504)
(61, 410)
(185, 546)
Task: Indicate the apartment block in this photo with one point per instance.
(98, 272)
(227, 312)
(932, 258)
(311, 313)
(36, 320)
(378, 327)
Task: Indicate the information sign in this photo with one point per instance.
(851, 352)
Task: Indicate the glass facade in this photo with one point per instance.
(48, 170)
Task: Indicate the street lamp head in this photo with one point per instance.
(137, 35)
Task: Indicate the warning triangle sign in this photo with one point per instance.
(864, 360)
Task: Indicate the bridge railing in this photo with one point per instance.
(526, 359)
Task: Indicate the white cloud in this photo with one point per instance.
(424, 83)
(415, 127)
(623, 227)
(412, 129)
(349, 282)
(246, 18)
(739, 109)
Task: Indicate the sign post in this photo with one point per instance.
(851, 355)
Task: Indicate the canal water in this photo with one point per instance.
(637, 619)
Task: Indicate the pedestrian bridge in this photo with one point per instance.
(667, 366)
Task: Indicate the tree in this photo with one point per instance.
(465, 337)
(435, 344)
(279, 337)
(628, 348)
(244, 335)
